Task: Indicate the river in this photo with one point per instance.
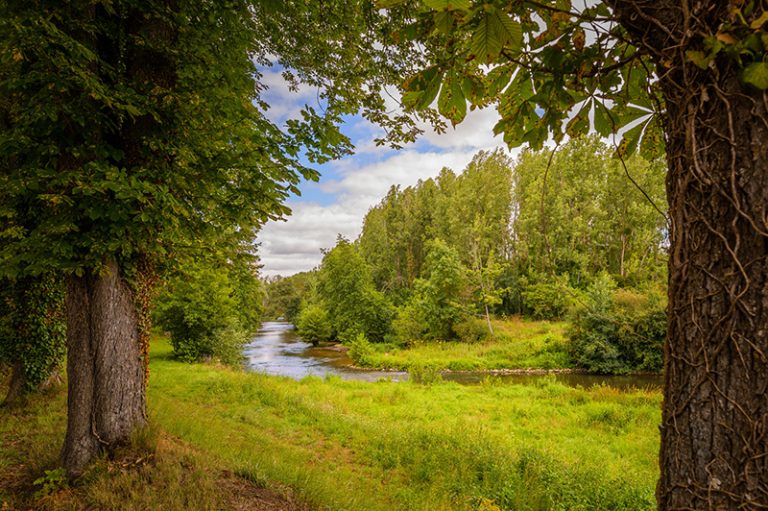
(278, 350)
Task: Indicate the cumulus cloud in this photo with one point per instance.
(360, 181)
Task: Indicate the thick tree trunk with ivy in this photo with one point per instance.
(714, 435)
(108, 318)
(105, 365)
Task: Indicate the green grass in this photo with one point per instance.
(156, 472)
(350, 445)
(517, 344)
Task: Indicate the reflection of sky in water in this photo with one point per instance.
(277, 350)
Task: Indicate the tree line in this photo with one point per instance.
(543, 236)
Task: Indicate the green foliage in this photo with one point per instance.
(313, 324)
(579, 214)
(248, 290)
(53, 481)
(529, 234)
(140, 129)
(284, 295)
(346, 289)
(618, 331)
(32, 327)
(424, 374)
(548, 300)
(360, 350)
(438, 302)
(200, 309)
(551, 69)
(472, 330)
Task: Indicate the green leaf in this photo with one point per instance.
(631, 139)
(452, 104)
(604, 125)
(449, 5)
(699, 58)
(579, 124)
(444, 22)
(756, 74)
(498, 79)
(474, 89)
(422, 88)
(495, 31)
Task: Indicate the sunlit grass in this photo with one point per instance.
(517, 344)
(352, 445)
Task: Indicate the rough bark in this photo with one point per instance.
(105, 367)
(16, 385)
(714, 433)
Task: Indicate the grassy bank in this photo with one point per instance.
(157, 471)
(354, 445)
(517, 344)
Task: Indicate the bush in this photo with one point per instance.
(200, 312)
(617, 332)
(424, 374)
(472, 330)
(360, 350)
(547, 300)
(313, 324)
(408, 325)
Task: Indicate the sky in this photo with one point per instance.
(349, 187)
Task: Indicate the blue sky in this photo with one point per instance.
(350, 186)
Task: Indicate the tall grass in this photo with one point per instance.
(348, 445)
(516, 344)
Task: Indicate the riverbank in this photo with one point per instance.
(518, 347)
(351, 445)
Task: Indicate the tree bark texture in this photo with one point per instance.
(714, 433)
(105, 366)
(17, 384)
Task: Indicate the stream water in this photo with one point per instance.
(277, 350)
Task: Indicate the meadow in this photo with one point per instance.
(516, 344)
(350, 445)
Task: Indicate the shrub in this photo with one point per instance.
(408, 325)
(360, 350)
(200, 312)
(547, 300)
(472, 330)
(424, 374)
(617, 332)
(313, 324)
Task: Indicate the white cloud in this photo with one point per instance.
(285, 103)
(360, 181)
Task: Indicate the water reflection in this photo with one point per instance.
(277, 350)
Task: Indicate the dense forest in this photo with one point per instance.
(573, 233)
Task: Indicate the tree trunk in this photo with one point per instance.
(105, 366)
(714, 433)
(714, 451)
(17, 384)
